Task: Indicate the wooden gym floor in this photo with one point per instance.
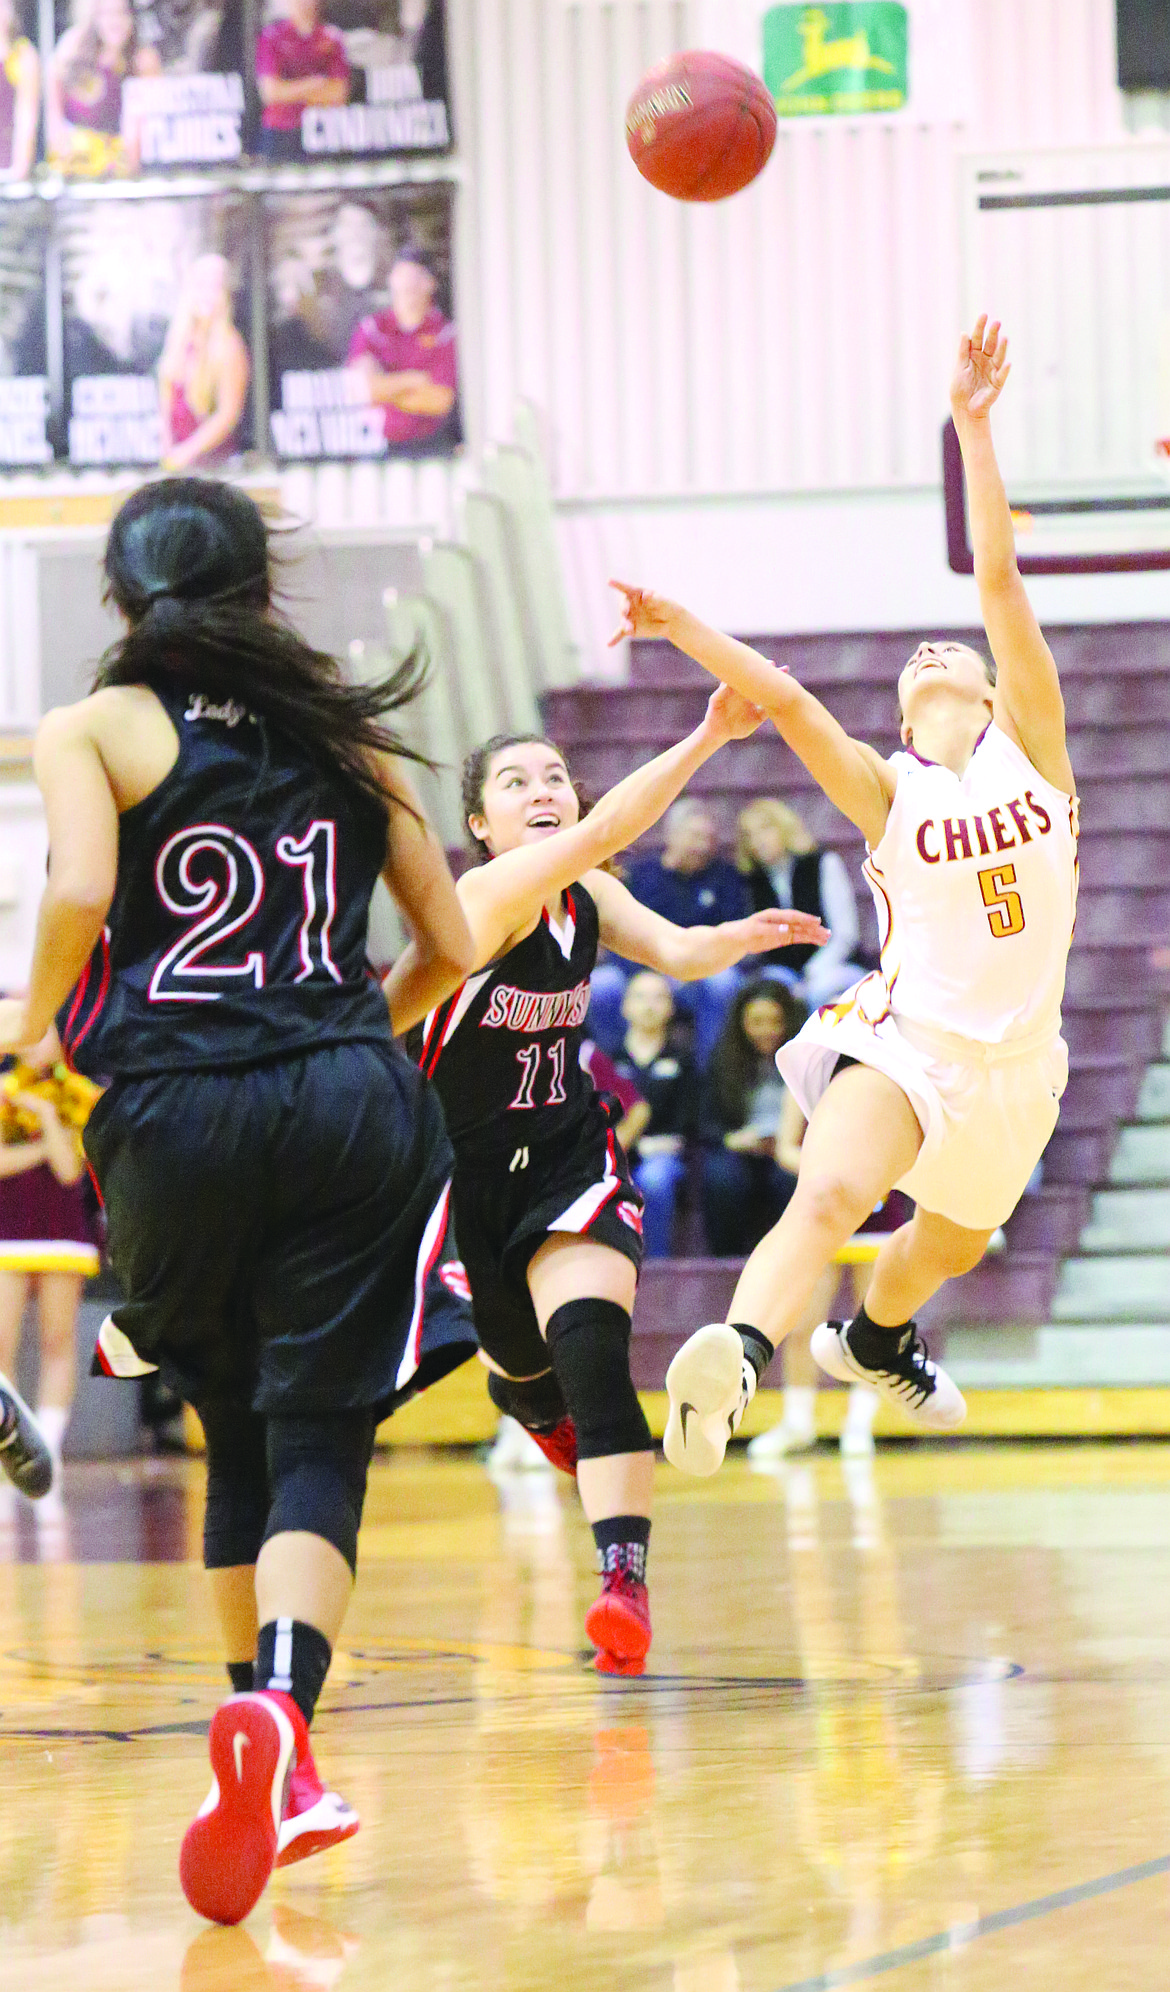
(906, 1726)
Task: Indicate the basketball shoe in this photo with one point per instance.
(24, 1450)
(618, 1622)
(314, 1818)
(710, 1383)
(902, 1371)
(559, 1445)
(229, 1849)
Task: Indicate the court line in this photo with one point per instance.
(983, 1926)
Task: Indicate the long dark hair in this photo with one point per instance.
(189, 563)
(475, 773)
(734, 1067)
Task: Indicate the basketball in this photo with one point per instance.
(700, 126)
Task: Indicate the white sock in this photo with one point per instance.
(800, 1408)
(861, 1409)
(53, 1420)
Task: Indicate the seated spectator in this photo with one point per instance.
(666, 1080)
(782, 866)
(744, 1187)
(690, 884)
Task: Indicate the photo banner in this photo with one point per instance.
(157, 310)
(24, 385)
(136, 89)
(20, 89)
(350, 79)
(362, 353)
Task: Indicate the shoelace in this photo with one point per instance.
(913, 1351)
(624, 1583)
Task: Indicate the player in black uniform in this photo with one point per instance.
(548, 1217)
(275, 1173)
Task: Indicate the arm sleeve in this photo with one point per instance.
(266, 59)
(337, 62)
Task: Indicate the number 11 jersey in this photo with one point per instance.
(504, 1052)
(237, 932)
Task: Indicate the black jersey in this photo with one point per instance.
(505, 1051)
(238, 927)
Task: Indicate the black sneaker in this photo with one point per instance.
(24, 1456)
(909, 1377)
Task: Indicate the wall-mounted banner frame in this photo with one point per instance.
(350, 79)
(156, 314)
(136, 88)
(24, 382)
(362, 355)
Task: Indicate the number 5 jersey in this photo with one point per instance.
(975, 883)
(238, 927)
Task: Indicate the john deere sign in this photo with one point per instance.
(836, 60)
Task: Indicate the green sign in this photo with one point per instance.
(834, 61)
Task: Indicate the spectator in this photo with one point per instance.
(744, 1187)
(406, 358)
(667, 1081)
(782, 866)
(690, 884)
(47, 1232)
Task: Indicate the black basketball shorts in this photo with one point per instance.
(504, 1211)
(281, 1232)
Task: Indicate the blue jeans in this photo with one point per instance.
(743, 1195)
(659, 1178)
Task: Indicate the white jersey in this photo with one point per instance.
(975, 883)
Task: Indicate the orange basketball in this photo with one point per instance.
(700, 126)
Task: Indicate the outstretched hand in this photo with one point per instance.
(642, 614)
(774, 927)
(981, 370)
(730, 716)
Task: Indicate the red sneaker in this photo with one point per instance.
(313, 1817)
(229, 1849)
(559, 1445)
(618, 1623)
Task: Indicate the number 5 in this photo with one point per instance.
(1005, 914)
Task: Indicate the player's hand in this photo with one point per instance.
(981, 369)
(15, 1034)
(642, 614)
(774, 927)
(730, 716)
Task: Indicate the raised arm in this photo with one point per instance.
(440, 950)
(688, 953)
(853, 775)
(1028, 703)
(504, 897)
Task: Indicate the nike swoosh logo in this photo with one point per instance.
(684, 1412)
(240, 1742)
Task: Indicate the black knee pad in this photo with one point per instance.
(236, 1514)
(317, 1471)
(537, 1403)
(589, 1343)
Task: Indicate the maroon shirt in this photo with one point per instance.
(282, 51)
(430, 348)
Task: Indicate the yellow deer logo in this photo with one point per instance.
(822, 57)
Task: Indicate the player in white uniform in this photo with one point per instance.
(954, 1063)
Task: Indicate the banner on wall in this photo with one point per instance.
(157, 307)
(889, 60)
(20, 89)
(362, 355)
(133, 88)
(343, 79)
(24, 386)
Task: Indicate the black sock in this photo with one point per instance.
(293, 1658)
(756, 1347)
(623, 1543)
(872, 1344)
(240, 1676)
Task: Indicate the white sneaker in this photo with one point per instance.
(780, 1441)
(856, 1442)
(922, 1387)
(710, 1383)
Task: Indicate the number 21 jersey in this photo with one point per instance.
(504, 1052)
(238, 926)
(975, 884)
